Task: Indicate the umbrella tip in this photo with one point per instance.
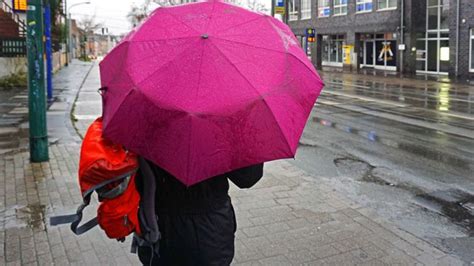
(204, 36)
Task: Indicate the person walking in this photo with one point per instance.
(197, 223)
(194, 92)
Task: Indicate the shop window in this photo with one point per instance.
(292, 10)
(324, 9)
(305, 9)
(340, 7)
(387, 4)
(332, 50)
(364, 6)
(471, 51)
(433, 53)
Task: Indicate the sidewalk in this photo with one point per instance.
(289, 218)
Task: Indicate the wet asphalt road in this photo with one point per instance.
(404, 148)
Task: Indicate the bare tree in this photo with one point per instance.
(257, 5)
(89, 24)
(138, 13)
(254, 5)
(167, 2)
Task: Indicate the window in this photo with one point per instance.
(364, 6)
(340, 7)
(471, 68)
(433, 53)
(293, 10)
(305, 9)
(387, 4)
(324, 10)
(332, 50)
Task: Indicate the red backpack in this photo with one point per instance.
(109, 170)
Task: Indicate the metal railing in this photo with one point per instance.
(12, 47)
(9, 10)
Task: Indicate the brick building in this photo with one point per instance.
(358, 34)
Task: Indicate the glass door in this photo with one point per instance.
(369, 53)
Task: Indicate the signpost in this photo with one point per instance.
(36, 82)
(280, 7)
(310, 37)
(49, 52)
(19, 5)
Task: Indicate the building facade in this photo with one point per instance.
(409, 36)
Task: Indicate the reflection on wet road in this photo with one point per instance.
(440, 102)
(404, 148)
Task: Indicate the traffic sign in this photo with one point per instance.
(280, 7)
(311, 35)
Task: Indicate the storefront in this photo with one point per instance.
(432, 46)
(379, 51)
(305, 45)
(332, 54)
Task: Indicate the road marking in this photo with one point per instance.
(368, 99)
(348, 84)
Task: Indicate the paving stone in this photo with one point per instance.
(324, 251)
(255, 231)
(276, 261)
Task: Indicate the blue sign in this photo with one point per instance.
(280, 7)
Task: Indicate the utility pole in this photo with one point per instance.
(273, 8)
(49, 55)
(36, 83)
(67, 32)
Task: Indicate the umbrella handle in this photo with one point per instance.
(102, 90)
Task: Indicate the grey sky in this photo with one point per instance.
(112, 13)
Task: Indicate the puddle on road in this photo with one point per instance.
(32, 216)
(454, 204)
(375, 136)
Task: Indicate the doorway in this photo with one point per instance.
(379, 51)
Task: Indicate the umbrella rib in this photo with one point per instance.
(147, 56)
(263, 98)
(123, 58)
(268, 49)
(243, 23)
(246, 44)
(297, 58)
(212, 14)
(161, 67)
(165, 39)
(191, 118)
(177, 19)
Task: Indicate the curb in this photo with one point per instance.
(72, 120)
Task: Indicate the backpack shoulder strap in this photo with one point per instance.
(75, 219)
(147, 212)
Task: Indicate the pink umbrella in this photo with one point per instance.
(205, 88)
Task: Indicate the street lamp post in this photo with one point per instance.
(68, 28)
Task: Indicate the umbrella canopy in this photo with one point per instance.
(205, 88)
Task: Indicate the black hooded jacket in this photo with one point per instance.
(197, 223)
